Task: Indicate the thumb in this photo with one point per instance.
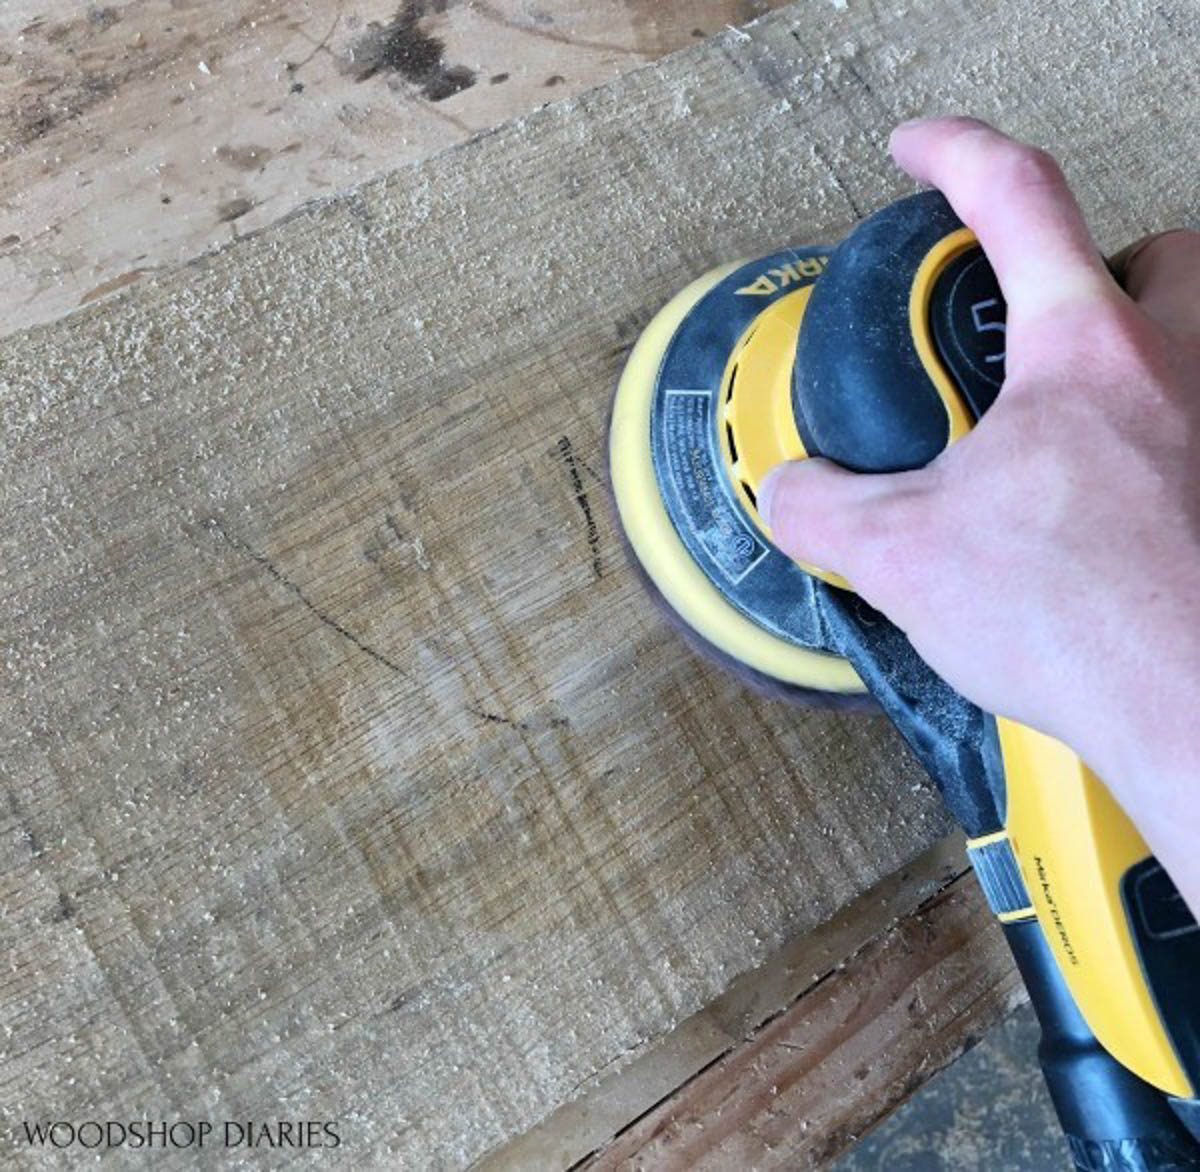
(856, 524)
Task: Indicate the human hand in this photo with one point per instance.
(1048, 564)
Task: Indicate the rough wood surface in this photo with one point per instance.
(664, 1071)
(349, 774)
(895, 1014)
(138, 133)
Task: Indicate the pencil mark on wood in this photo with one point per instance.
(326, 619)
(600, 480)
(496, 718)
(585, 506)
(519, 725)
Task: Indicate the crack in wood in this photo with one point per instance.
(841, 187)
(752, 1036)
(326, 619)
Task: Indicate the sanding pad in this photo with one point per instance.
(686, 493)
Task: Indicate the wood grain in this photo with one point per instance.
(348, 772)
(811, 1081)
(664, 1071)
(141, 133)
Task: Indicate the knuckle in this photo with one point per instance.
(1097, 342)
(1023, 168)
(966, 124)
(892, 536)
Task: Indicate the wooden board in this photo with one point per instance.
(349, 774)
(139, 133)
(893, 1015)
(609, 1117)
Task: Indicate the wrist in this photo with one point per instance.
(1148, 755)
(1133, 716)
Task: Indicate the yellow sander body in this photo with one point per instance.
(878, 354)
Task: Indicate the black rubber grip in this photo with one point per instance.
(1112, 1119)
(860, 392)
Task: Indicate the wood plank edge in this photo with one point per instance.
(815, 1078)
(612, 1102)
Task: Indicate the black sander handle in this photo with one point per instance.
(905, 300)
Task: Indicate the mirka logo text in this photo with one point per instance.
(181, 1133)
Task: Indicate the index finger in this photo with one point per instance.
(1016, 200)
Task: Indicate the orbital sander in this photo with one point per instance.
(877, 354)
